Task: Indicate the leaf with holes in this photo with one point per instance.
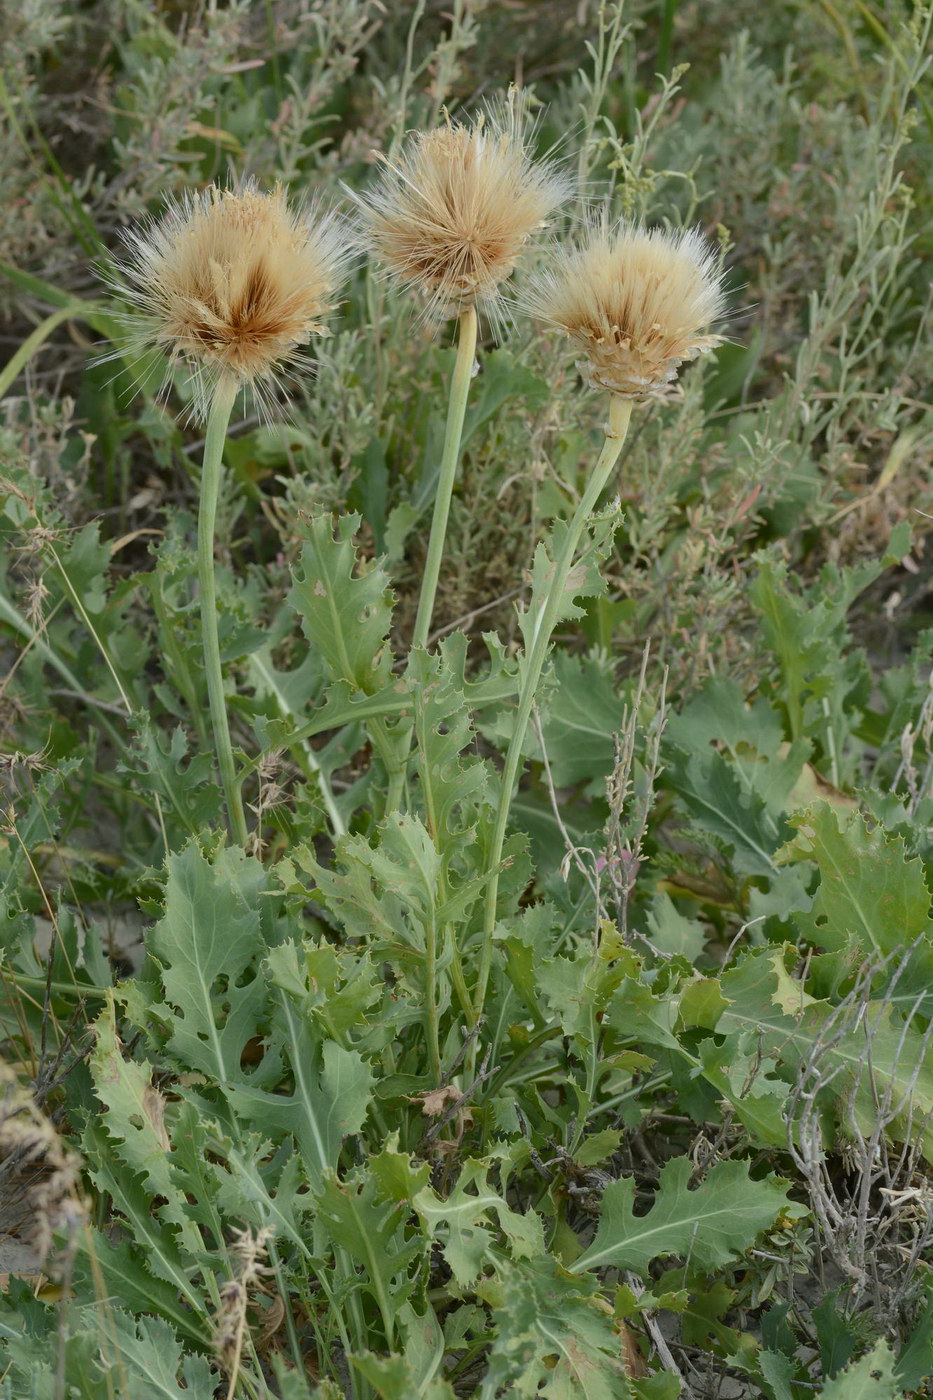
(871, 1378)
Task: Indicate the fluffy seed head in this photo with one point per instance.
(451, 217)
(635, 301)
(230, 283)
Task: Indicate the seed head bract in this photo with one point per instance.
(636, 301)
(230, 283)
(449, 218)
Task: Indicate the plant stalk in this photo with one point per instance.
(211, 474)
(459, 393)
(431, 1017)
(620, 411)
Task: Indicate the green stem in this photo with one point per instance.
(430, 978)
(459, 392)
(211, 473)
(620, 411)
(393, 750)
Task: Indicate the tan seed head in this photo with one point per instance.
(230, 283)
(450, 218)
(636, 302)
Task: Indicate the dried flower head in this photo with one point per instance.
(451, 217)
(635, 301)
(230, 283)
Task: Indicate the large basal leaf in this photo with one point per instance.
(153, 1363)
(749, 1080)
(29, 1374)
(155, 1250)
(395, 1378)
(863, 1052)
(134, 1121)
(721, 803)
(869, 891)
(134, 1109)
(580, 714)
(125, 1269)
(807, 634)
(345, 607)
(552, 1337)
(749, 734)
(121, 1356)
(329, 1100)
(580, 710)
(714, 1224)
(464, 1222)
(374, 1232)
(727, 763)
(207, 940)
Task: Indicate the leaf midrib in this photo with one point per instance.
(591, 1261)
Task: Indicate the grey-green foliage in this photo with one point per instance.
(701, 1082)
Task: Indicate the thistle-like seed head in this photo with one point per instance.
(450, 218)
(635, 301)
(230, 283)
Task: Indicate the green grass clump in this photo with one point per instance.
(362, 1070)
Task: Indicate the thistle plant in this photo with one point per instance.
(229, 285)
(448, 221)
(437, 1088)
(636, 303)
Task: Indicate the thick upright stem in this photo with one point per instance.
(459, 393)
(620, 411)
(432, 1023)
(211, 472)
